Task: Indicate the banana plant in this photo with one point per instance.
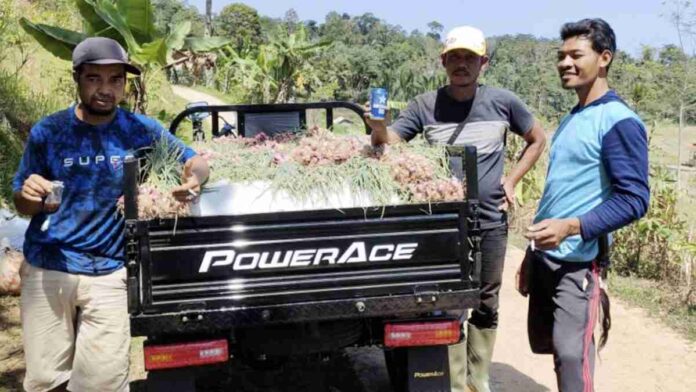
(131, 23)
(278, 69)
(289, 62)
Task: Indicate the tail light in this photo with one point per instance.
(185, 354)
(430, 333)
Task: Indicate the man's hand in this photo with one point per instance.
(509, 199)
(35, 188)
(30, 199)
(190, 186)
(377, 124)
(380, 132)
(549, 233)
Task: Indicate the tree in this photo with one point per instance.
(366, 22)
(340, 28)
(671, 55)
(269, 25)
(170, 13)
(527, 66)
(647, 53)
(291, 20)
(312, 28)
(241, 24)
(435, 30)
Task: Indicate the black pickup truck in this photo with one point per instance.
(212, 289)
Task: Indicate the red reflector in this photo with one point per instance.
(185, 354)
(422, 333)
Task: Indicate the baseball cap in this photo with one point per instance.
(101, 50)
(465, 37)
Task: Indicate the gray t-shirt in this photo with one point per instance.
(488, 116)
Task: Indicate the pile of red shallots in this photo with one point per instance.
(413, 172)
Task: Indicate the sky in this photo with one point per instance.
(635, 22)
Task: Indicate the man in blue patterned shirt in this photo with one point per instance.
(74, 314)
(597, 182)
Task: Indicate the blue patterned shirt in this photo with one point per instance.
(85, 235)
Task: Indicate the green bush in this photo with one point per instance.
(20, 106)
(529, 189)
(11, 147)
(657, 246)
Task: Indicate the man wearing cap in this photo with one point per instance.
(74, 314)
(468, 113)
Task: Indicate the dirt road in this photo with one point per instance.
(192, 95)
(641, 355)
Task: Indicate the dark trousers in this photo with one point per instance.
(563, 309)
(493, 244)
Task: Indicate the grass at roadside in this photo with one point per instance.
(228, 99)
(665, 142)
(664, 149)
(660, 301)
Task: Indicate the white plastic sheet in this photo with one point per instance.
(225, 198)
(12, 229)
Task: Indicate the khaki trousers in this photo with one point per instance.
(75, 328)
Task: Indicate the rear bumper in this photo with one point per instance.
(211, 320)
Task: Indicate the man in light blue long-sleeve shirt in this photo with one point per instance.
(597, 182)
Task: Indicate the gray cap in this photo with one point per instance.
(101, 50)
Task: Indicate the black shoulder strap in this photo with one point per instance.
(460, 127)
(457, 131)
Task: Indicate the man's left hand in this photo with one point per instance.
(549, 233)
(509, 199)
(190, 186)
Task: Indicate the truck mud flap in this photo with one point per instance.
(419, 369)
(428, 369)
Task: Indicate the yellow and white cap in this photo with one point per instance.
(466, 37)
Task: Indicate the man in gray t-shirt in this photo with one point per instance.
(487, 113)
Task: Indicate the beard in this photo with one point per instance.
(87, 99)
(93, 111)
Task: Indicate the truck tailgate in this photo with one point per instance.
(296, 266)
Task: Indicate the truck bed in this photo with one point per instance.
(216, 273)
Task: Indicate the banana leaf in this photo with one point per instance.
(60, 42)
(93, 23)
(110, 14)
(153, 52)
(205, 44)
(139, 16)
(177, 37)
